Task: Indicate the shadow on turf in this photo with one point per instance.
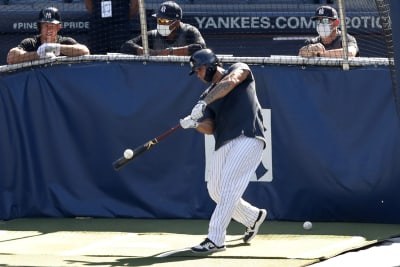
(178, 255)
(139, 261)
(152, 260)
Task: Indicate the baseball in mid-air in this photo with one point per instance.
(128, 153)
(307, 225)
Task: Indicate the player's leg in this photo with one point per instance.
(242, 157)
(213, 177)
(245, 213)
(213, 185)
(249, 215)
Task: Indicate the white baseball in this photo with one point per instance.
(128, 153)
(307, 225)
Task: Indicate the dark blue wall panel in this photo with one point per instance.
(335, 143)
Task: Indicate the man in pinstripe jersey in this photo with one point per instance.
(228, 109)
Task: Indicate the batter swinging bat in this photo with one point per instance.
(131, 154)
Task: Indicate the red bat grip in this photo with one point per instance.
(170, 131)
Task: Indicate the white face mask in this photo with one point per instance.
(163, 30)
(324, 30)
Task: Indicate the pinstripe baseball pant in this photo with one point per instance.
(231, 169)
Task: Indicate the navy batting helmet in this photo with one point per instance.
(49, 15)
(207, 58)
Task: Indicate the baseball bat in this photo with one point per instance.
(132, 154)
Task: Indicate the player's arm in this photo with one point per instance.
(206, 126)
(221, 89)
(312, 50)
(153, 52)
(227, 84)
(186, 50)
(194, 40)
(339, 53)
(305, 51)
(134, 46)
(19, 55)
(74, 50)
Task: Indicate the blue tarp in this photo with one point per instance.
(335, 141)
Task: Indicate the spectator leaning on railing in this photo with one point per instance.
(172, 37)
(48, 43)
(329, 41)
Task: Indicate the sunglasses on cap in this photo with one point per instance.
(164, 21)
(323, 21)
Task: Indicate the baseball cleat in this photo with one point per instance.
(207, 246)
(251, 232)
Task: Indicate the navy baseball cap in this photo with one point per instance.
(325, 12)
(49, 15)
(169, 10)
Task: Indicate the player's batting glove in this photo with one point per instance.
(48, 55)
(198, 110)
(188, 122)
(44, 50)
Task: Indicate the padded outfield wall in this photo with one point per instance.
(332, 155)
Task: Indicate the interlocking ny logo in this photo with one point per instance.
(47, 15)
(321, 11)
(163, 8)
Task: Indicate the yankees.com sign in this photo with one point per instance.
(267, 23)
(279, 24)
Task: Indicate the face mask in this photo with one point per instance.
(163, 30)
(324, 30)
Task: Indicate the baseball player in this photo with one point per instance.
(230, 111)
(328, 43)
(48, 43)
(172, 36)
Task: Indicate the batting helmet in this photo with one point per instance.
(207, 58)
(49, 15)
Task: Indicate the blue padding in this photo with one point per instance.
(335, 143)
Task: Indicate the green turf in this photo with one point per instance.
(137, 242)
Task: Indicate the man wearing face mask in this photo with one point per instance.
(172, 36)
(329, 41)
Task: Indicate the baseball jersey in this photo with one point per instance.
(32, 44)
(337, 43)
(238, 113)
(185, 35)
